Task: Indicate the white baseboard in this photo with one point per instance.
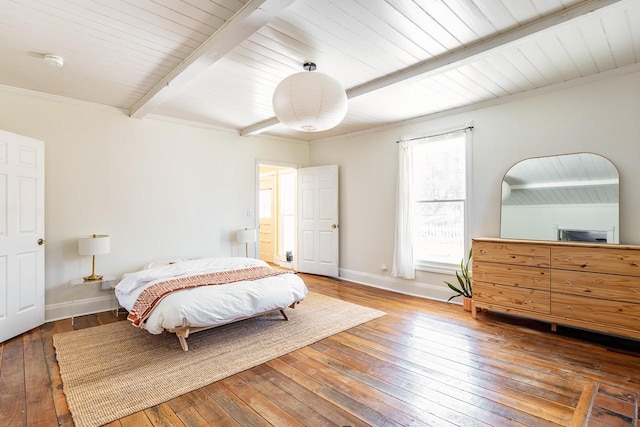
(403, 286)
(286, 264)
(80, 308)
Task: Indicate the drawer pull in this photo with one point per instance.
(569, 307)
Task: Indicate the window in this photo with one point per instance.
(439, 177)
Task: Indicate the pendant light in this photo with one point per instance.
(310, 102)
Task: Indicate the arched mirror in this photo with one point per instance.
(571, 197)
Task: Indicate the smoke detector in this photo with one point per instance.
(54, 60)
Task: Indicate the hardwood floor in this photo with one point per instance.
(424, 363)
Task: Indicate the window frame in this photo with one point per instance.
(442, 267)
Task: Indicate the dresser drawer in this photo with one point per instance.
(512, 275)
(508, 296)
(604, 312)
(511, 253)
(596, 259)
(595, 285)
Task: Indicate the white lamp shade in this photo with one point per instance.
(246, 235)
(310, 102)
(98, 244)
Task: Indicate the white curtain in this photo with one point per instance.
(403, 247)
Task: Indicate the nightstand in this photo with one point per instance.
(107, 284)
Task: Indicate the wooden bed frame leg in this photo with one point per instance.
(183, 332)
(182, 337)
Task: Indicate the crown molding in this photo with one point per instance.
(60, 99)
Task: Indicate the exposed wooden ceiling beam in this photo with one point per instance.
(260, 127)
(473, 52)
(254, 15)
(443, 63)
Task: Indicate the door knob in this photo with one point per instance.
(334, 226)
(42, 242)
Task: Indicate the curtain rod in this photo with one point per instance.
(439, 134)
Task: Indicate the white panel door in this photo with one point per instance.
(318, 231)
(21, 234)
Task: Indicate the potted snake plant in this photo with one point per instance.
(464, 288)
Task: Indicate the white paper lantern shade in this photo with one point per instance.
(310, 102)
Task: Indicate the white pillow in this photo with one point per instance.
(154, 264)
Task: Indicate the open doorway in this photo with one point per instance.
(277, 214)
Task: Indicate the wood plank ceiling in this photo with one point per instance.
(217, 62)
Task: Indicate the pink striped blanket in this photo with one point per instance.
(152, 295)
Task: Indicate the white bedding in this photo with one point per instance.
(209, 305)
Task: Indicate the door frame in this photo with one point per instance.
(256, 216)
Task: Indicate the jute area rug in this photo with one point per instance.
(114, 370)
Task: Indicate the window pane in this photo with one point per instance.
(439, 232)
(439, 170)
(439, 194)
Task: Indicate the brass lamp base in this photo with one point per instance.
(93, 276)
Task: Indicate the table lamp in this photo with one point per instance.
(246, 236)
(97, 244)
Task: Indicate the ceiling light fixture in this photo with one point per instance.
(310, 102)
(54, 60)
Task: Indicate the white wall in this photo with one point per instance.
(599, 117)
(162, 189)
(158, 189)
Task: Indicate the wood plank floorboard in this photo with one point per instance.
(13, 398)
(424, 363)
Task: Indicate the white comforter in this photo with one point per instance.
(209, 305)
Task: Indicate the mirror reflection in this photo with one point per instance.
(571, 197)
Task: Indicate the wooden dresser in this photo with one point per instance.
(589, 286)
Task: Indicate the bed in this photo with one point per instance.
(172, 296)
